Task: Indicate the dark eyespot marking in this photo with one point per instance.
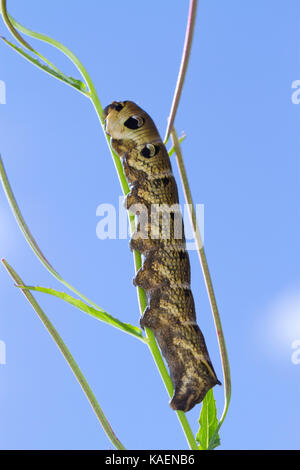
(134, 122)
(119, 106)
(115, 105)
(150, 150)
(165, 181)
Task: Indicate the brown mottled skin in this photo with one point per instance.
(165, 274)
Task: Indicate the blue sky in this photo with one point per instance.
(242, 158)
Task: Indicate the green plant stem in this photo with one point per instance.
(19, 38)
(69, 358)
(172, 149)
(10, 27)
(31, 241)
(207, 277)
(29, 237)
(43, 37)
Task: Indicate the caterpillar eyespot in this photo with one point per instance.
(150, 150)
(165, 274)
(119, 106)
(134, 122)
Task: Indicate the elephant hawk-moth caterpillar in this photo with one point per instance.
(165, 273)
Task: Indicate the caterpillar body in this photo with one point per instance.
(165, 274)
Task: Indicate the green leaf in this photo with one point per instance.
(88, 89)
(68, 357)
(208, 423)
(78, 84)
(99, 314)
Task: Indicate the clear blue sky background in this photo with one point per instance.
(242, 159)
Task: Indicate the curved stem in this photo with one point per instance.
(9, 26)
(29, 237)
(172, 149)
(65, 50)
(69, 358)
(31, 241)
(183, 66)
(207, 277)
(19, 38)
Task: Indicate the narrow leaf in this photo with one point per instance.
(65, 50)
(78, 84)
(19, 38)
(172, 149)
(99, 314)
(208, 423)
(11, 28)
(68, 357)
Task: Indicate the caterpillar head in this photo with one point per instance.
(125, 120)
(135, 138)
